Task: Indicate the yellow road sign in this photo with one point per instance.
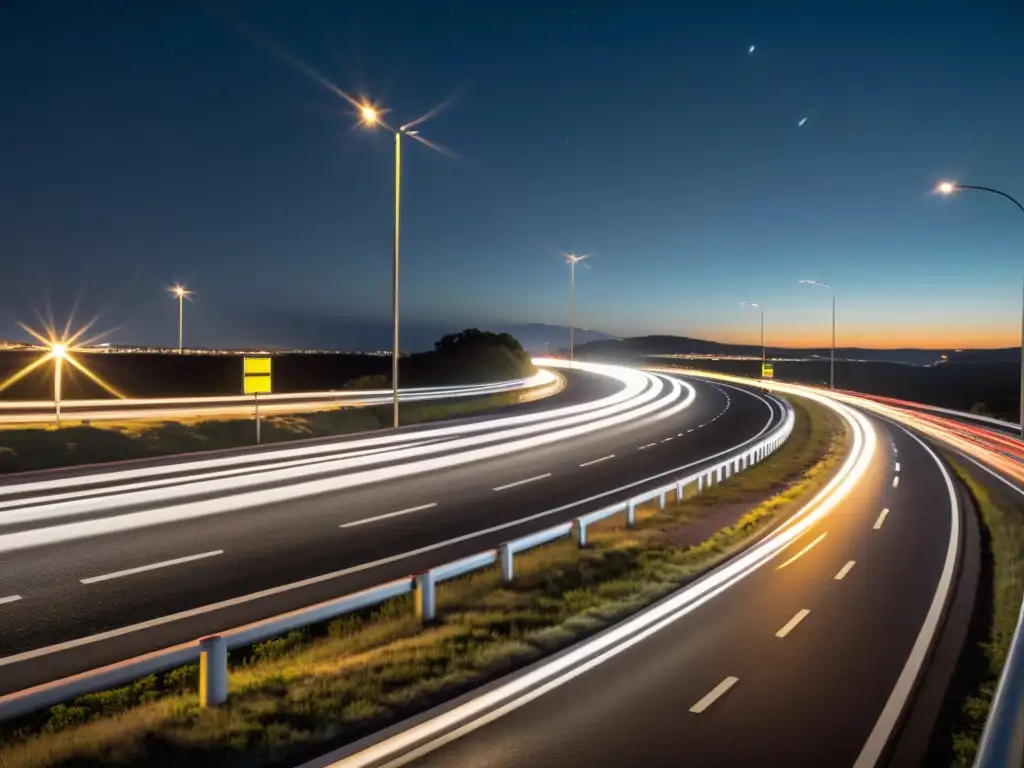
(767, 370)
(256, 376)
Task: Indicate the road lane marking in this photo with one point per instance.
(791, 624)
(10, 599)
(897, 466)
(366, 520)
(845, 570)
(666, 439)
(802, 551)
(522, 482)
(649, 445)
(881, 518)
(151, 567)
(895, 481)
(886, 724)
(716, 693)
(595, 461)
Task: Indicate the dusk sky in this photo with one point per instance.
(146, 143)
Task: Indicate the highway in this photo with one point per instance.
(105, 564)
(28, 412)
(807, 657)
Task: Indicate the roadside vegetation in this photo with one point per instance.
(997, 607)
(300, 695)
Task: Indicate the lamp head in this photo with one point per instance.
(946, 187)
(369, 114)
(59, 350)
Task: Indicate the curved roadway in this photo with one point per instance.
(102, 565)
(804, 662)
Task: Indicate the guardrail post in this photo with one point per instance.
(630, 514)
(661, 500)
(213, 671)
(505, 561)
(679, 491)
(579, 532)
(426, 597)
(719, 478)
(700, 484)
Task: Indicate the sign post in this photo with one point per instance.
(256, 382)
(767, 370)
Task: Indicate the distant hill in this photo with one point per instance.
(538, 338)
(642, 346)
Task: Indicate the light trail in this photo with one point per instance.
(643, 395)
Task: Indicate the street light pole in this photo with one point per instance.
(370, 116)
(572, 310)
(832, 365)
(394, 278)
(948, 188)
(58, 351)
(761, 310)
(181, 292)
(572, 259)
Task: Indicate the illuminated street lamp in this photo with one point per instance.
(58, 351)
(832, 367)
(180, 292)
(948, 188)
(572, 259)
(761, 310)
(370, 117)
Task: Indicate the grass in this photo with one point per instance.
(37, 448)
(995, 617)
(296, 697)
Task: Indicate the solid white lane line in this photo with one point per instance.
(366, 520)
(716, 693)
(880, 734)
(897, 466)
(895, 481)
(596, 461)
(803, 551)
(151, 567)
(10, 599)
(522, 482)
(881, 518)
(845, 570)
(649, 445)
(791, 624)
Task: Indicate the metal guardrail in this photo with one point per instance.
(211, 652)
(1002, 741)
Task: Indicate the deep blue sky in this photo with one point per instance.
(145, 143)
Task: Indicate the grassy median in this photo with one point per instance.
(29, 449)
(301, 695)
(997, 607)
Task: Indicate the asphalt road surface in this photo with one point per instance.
(76, 603)
(801, 663)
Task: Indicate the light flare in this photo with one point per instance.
(61, 348)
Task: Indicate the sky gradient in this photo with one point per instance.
(150, 143)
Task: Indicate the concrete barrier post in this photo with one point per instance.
(579, 532)
(426, 597)
(506, 560)
(213, 671)
(630, 514)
